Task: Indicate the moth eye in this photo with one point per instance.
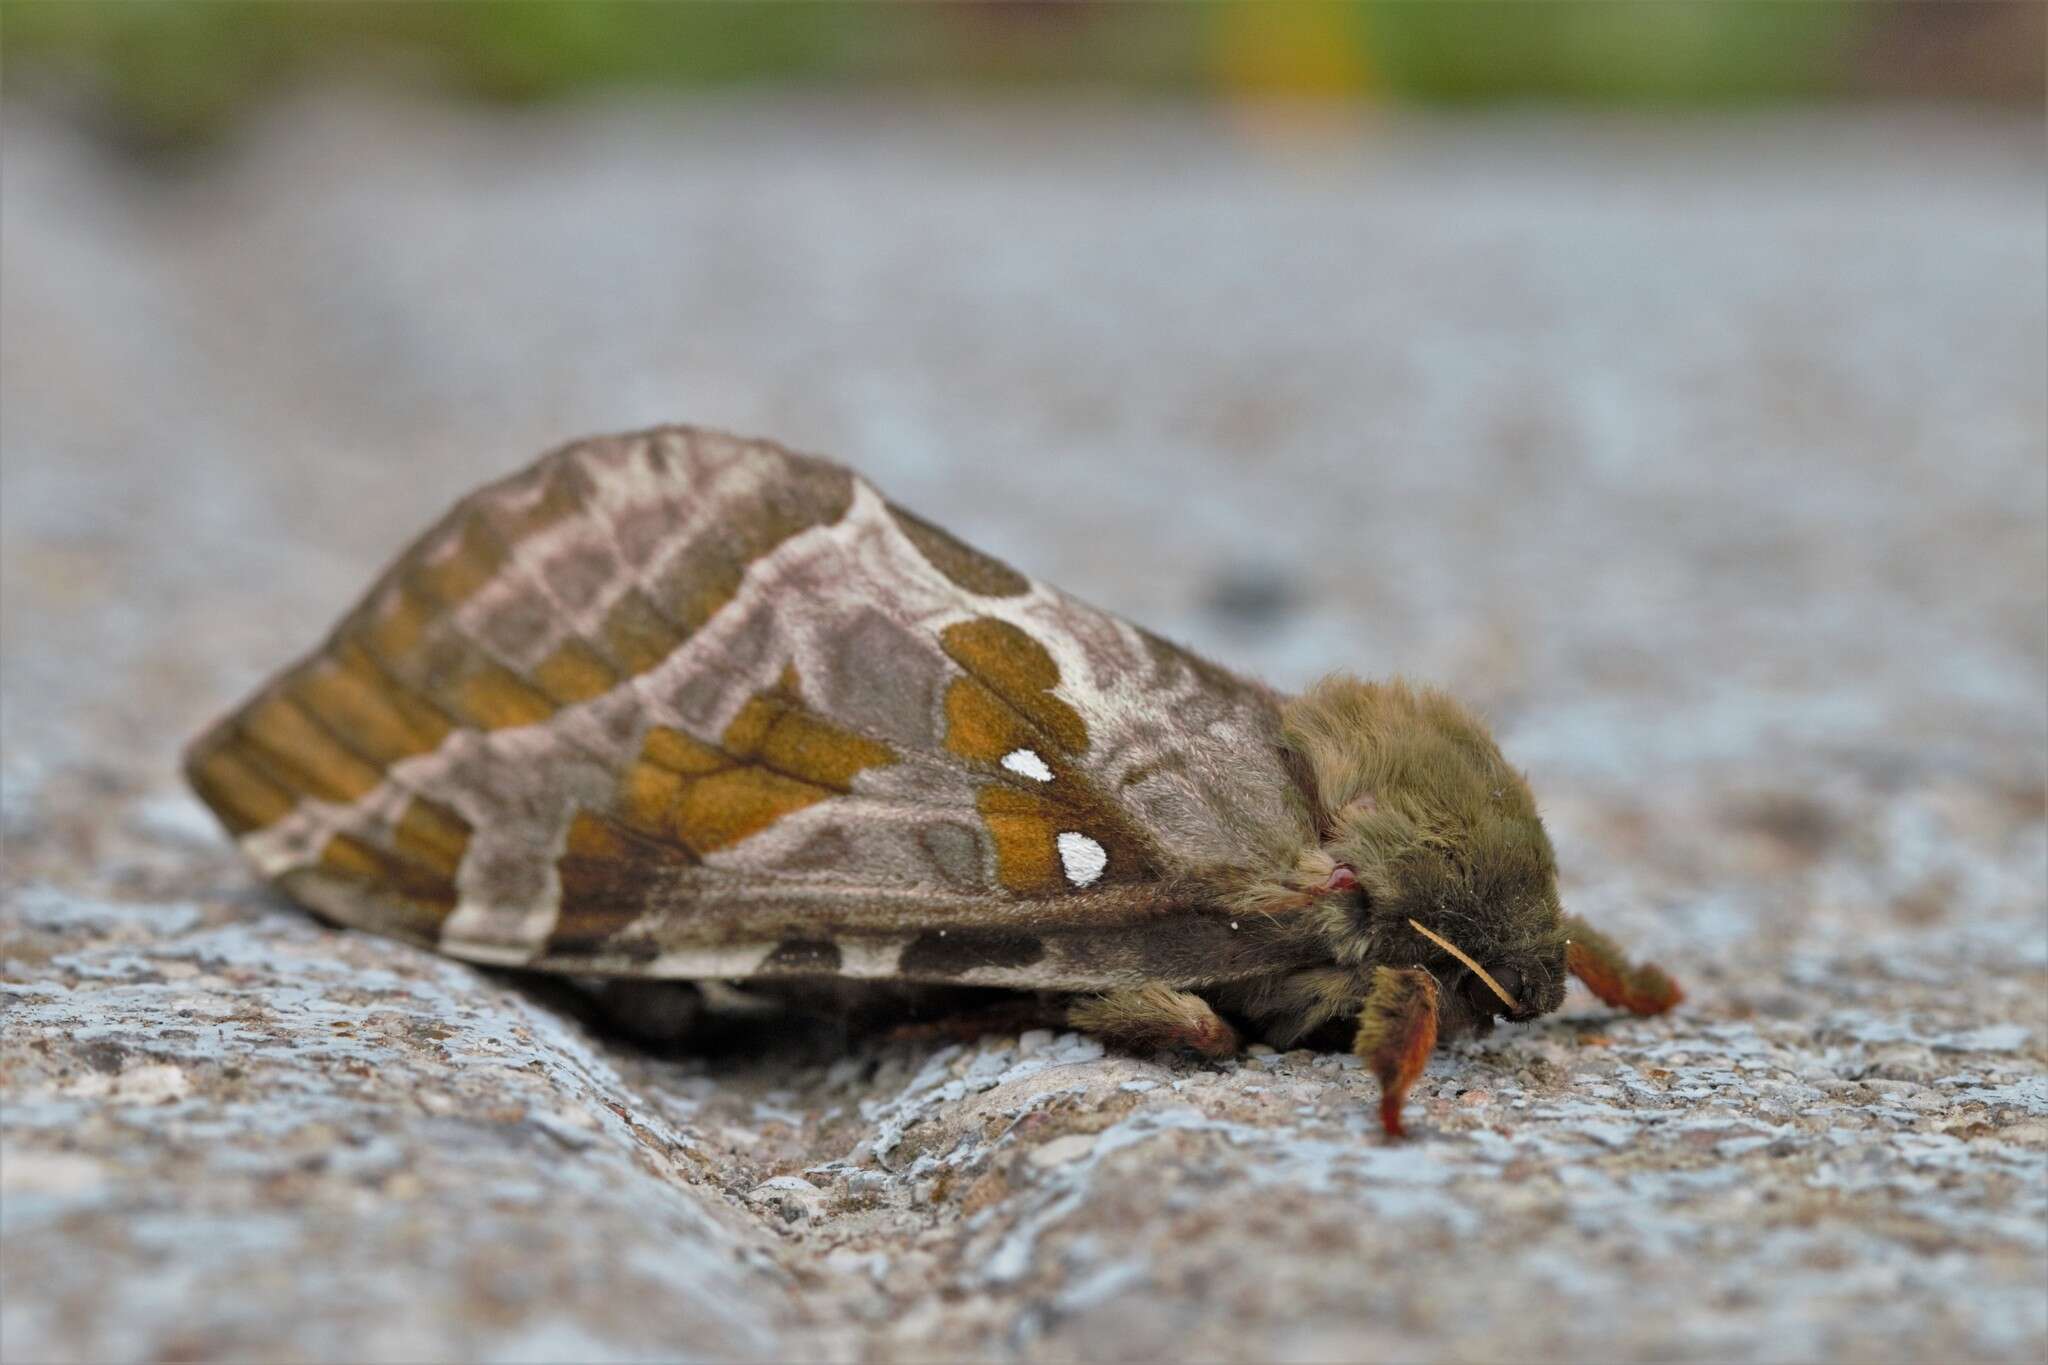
(1510, 981)
(1480, 996)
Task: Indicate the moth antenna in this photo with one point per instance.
(1396, 1034)
(1459, 953)
(1639, 988)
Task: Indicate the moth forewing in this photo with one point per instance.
(672, 693)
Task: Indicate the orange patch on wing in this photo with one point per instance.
(605, 881)
(720, 810)
(775, 758)
(347, 703)
(979, 725)
(493, 698)
(815, 750)
(432, 835)
(1024, 828)
(820, 752)
(397, 623)
(305, 751)
(776, 730)
(574, 673)
(366, 678)
(748, 730)
(1003, 703)
(242, 795)
(351, 857)
(593, 837)
(649, 796)
(417, 898)
(680, 753)
(1021, 672)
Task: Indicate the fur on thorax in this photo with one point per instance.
(1418, 818)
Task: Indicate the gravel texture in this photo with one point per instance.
(1705, 456)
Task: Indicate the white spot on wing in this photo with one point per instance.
(1027, 763)
(1082, 857)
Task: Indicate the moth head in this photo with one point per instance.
(1441, 859)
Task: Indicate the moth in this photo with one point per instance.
(682, 705)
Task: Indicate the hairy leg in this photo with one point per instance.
(1396, 1034)
(1154, 1017)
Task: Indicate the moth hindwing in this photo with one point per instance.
(679, 704)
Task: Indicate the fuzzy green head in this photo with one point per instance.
(1415, 799)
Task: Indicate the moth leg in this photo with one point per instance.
(1155, 1017)
(1396, 1034)
(1639, 988)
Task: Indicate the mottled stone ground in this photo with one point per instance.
(1705, 456)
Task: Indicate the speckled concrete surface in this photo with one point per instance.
(1707, 457)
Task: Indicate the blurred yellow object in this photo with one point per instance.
(1291, 73)
(1286, 48)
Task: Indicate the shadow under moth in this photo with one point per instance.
(681, 705)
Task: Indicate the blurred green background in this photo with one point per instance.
(170, 72)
